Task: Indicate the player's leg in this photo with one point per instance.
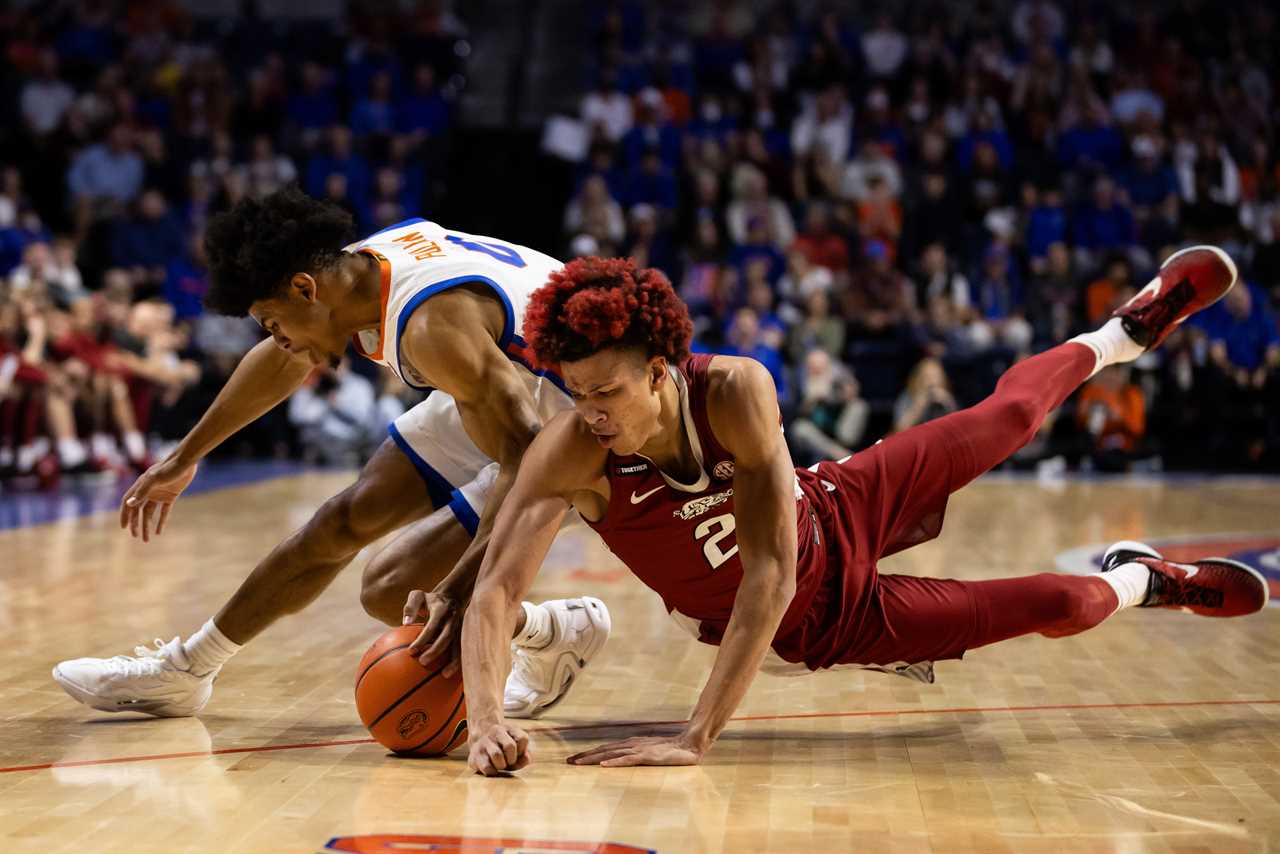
(930, 619)
(388, 494)
(417, 558)
(904, 481)
(177, 678)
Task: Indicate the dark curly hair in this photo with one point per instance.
(254, 248)
(595, 303)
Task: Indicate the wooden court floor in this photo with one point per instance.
(1156, 732)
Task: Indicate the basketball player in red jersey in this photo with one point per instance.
(679, 463)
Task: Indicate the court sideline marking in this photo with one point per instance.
(627, 724)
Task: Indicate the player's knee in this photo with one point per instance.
(354, 517)
(380, 594)
(1074, 607)
(1021, 414)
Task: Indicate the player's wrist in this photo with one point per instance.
(697, 738)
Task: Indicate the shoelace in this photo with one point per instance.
(145, 661)
(1187, 591)
(1159, 312)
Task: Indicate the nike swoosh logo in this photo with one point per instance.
(636, 499)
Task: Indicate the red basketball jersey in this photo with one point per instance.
(681, 539)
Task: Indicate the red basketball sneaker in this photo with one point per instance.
(1213, 587)
(1191, 279)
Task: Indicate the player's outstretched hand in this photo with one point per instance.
(442, 632)
(498, 749)
(151, 497)
(642, 750)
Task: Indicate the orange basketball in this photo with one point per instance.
(410, 709)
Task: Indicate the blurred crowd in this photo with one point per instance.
(889, 208)
(886, 205)
(130, 124)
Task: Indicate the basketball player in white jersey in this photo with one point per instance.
(442, 310)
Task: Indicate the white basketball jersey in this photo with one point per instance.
(420, 259)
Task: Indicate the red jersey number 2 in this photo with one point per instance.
(718, 527)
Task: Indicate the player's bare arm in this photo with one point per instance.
(743, 410)
(563, 465)
(265, 376)
(452, 342)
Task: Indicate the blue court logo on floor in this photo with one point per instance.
(1260, 551)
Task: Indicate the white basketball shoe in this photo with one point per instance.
(540, 678)
(155, 681)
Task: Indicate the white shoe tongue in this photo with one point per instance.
(176, 655)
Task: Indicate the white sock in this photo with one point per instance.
(134, 445)
(71, 452)
(1129, 581)
(537, 627)
(30, 454)
(102, 445)
(1111, 344)
(208, 649)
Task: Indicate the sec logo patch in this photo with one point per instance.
(723, 470)
(393, 843)
(1260, 551)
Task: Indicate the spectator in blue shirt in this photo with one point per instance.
(758, 245)
(314, 108)
(1092, 143)
(186, 280)
(1047, 222)
(424, 111)
(375, 113)
(340, 159)
(651, 183)
(1148, 181)
(652, 132)
(110, 171)
(1103, 223)
(1242, 331)
(150, 238)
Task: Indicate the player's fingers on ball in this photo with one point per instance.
(442, 640)
(412, 605)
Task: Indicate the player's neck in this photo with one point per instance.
(669, 447)
(362, 276)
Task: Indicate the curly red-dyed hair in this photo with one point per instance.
(595, 303)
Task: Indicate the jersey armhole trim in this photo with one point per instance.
(508, 327)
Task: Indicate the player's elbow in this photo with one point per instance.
(776, 585)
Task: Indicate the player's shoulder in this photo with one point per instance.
(738, 381)
(742, 403)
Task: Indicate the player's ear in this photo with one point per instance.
(304, 285)
(657, 372)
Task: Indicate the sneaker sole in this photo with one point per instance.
(1262, 582)
(93, 701)
(1156, 284)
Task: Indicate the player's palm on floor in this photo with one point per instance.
(642, 750)
(147, 503)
